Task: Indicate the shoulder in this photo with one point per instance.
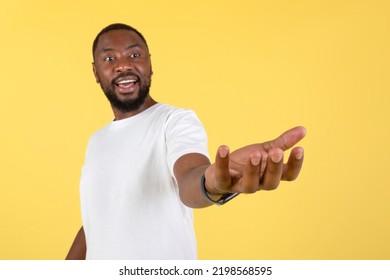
(172, 110)
(175, 112)
(169, 115)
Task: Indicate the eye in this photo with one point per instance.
(109, 58)
(135, 55)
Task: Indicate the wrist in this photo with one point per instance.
(215, 198)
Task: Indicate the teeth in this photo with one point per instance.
(126, 81)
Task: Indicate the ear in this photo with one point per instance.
(151, 68)
(95, 73)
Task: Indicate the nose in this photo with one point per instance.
(123, 65)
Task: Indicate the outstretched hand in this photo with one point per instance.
(256, 167)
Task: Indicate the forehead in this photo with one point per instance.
(118, 40)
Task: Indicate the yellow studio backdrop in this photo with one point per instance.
(250, 69)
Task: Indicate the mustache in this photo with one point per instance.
(124, 74)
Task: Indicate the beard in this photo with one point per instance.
(127, 105)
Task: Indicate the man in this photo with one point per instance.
(145, 170)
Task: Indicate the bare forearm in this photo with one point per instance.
(190, 189)
(189, 170)
(79, 248)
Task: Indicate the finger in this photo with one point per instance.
(251, 176)
(273, 171)
(288, 139)
(263, 163)
(294, 164)
(222, 175)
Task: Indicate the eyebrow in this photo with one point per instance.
(128, 48)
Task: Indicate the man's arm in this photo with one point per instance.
(246, 170)
(188, 171)
(79, 248)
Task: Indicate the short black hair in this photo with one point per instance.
(116, 26)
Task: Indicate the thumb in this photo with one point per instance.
(222, 174)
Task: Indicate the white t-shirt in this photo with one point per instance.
(129, 197)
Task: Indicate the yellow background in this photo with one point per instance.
(250, 69)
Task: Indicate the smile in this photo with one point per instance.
(126, 84)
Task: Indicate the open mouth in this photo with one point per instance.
(126, 84)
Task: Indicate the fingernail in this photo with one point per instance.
(276, 158)
(255, 161)
(223, 151)
(299, 156)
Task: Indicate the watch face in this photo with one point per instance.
(226, 198)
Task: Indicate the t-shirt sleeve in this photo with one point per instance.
(184, 134)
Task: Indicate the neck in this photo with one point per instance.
(119, 115)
